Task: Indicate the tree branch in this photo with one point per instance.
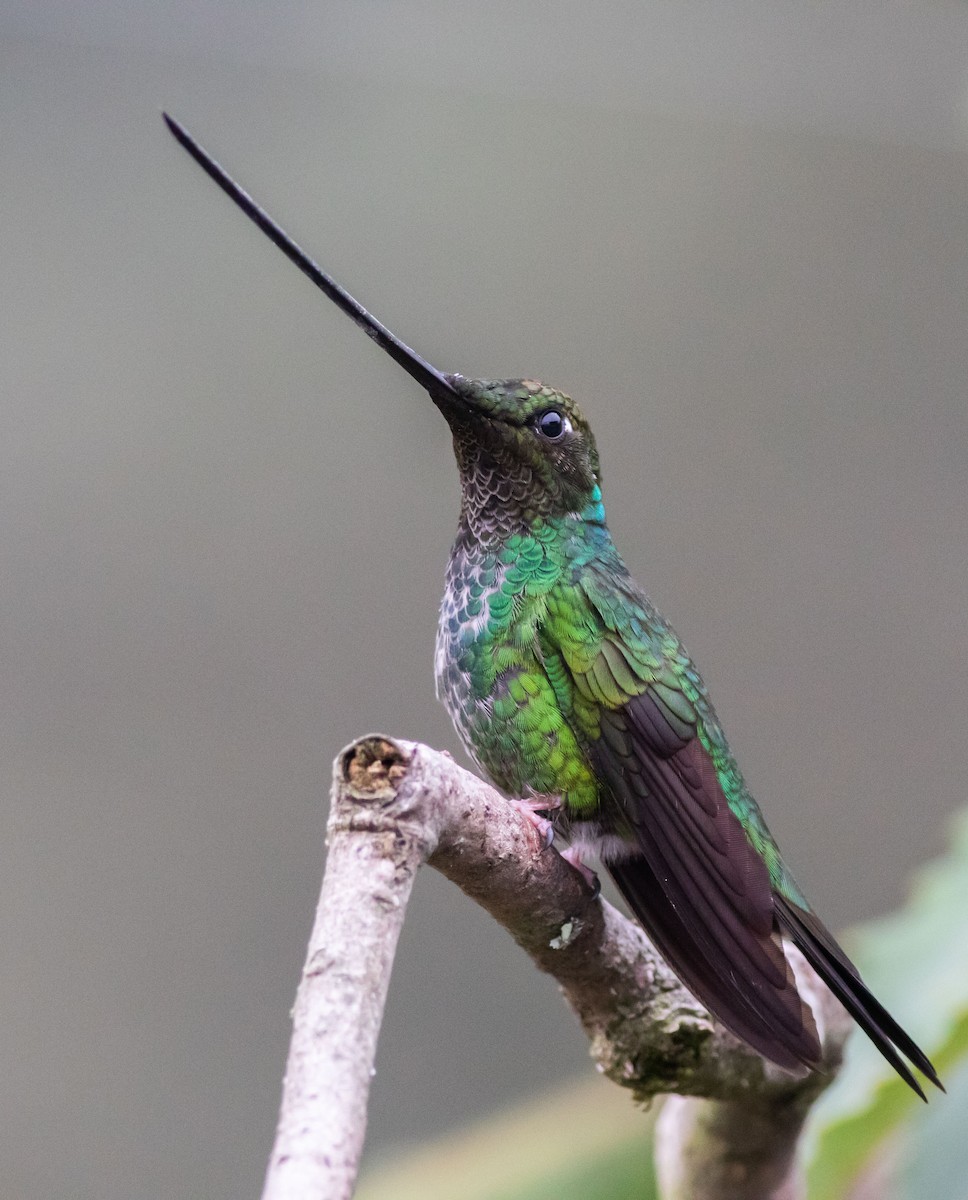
(397, 805)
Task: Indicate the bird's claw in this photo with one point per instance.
(531, 810)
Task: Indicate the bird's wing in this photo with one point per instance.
(693, 878)
(704, 876)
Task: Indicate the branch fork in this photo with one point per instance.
(731, 1128)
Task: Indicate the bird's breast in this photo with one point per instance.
(492, 679)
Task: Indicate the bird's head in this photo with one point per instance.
(524, 451)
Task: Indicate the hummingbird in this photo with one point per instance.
(574, 694)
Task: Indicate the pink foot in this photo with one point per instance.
(573, 859)
(531, 810)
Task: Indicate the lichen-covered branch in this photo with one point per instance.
(397, 805)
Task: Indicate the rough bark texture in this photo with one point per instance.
(374, 854)
(397, 805)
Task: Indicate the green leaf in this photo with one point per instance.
(916, 962)
(935, 1163)
(847, 1145)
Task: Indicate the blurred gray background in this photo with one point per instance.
(738, 233)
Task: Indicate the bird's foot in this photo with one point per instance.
(531, 810)
(573, 858)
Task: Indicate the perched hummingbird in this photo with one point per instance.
(570, 689)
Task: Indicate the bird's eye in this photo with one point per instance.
(553, 425)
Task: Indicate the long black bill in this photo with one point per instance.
(429, 377)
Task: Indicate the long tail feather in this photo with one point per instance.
(840, 975)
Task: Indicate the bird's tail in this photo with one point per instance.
(839, 974)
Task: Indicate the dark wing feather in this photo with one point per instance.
(697, 884)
